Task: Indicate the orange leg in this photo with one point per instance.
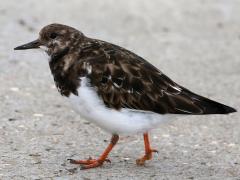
(92, 163)
(148, 151)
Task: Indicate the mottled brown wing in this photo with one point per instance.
(125, 80)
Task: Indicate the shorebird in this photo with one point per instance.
(114, 88)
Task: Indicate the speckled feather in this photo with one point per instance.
(121, 78)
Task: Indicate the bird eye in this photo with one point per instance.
(53, 35)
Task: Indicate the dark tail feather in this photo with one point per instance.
(213, 107)
(209, 106)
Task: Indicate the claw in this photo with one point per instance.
(82, 167)
(72, 161)
(155, 151)
(96, 163)
(108, 160)
(88, 161)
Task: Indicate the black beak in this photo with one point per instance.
(32, 45)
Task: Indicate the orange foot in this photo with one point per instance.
(148, 151)
(92, 163)
(147, 156)
(89, 163)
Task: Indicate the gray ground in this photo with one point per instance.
(195, 42)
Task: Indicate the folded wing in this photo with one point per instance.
(124, 80)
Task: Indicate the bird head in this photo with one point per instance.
(54, 38)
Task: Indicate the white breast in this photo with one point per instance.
(124, 121)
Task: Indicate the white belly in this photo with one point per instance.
(124, 121)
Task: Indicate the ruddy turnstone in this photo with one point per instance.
(114, 88)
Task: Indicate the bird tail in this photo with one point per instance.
(213, 107)
(209, 106)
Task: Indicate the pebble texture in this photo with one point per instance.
(196, 43)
